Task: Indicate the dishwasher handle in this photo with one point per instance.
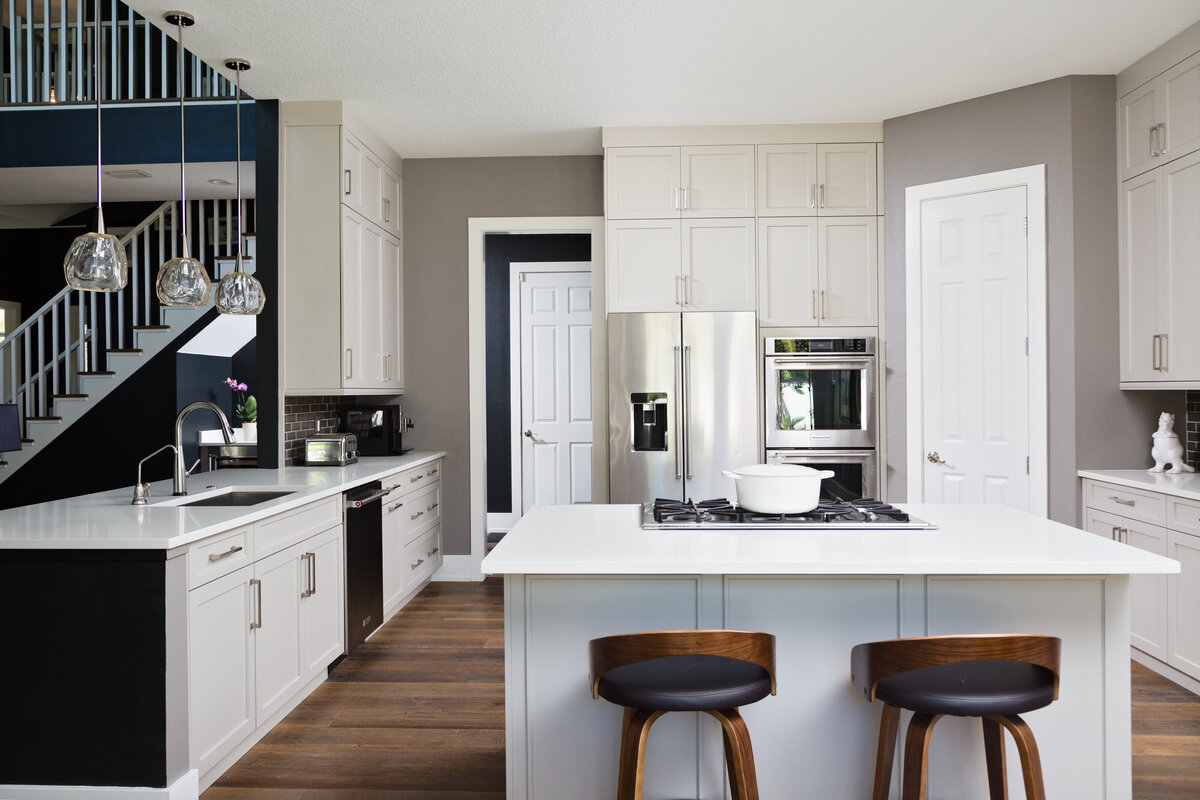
(359, 502)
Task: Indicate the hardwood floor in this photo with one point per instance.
(418, 714)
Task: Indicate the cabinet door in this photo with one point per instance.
(1103, 524)
(391, 312)
(643, 264)
(1181, 213)
(846, 178)
(1137, 116)
(374, 366)
(322, 608)
(718, 265)
(1148, 593)
(718, 181)
(372, 188)
(848, 265)
(393, 551)
(354, 359)
(787, 271)
(353, 158)
(278, 673)
(220, 666)
(393, 210)
(1141, 275)
(641, 182)
(1180, 92)
(1183, 607)
(787, 180)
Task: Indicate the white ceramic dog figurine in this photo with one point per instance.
(1167, 449)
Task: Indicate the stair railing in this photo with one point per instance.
(50, 60)
(73, 333)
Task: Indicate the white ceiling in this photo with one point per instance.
(440, 78)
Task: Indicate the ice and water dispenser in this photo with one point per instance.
(649, 413)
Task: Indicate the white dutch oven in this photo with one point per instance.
(778, 488)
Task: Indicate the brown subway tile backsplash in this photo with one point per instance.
(300, 418)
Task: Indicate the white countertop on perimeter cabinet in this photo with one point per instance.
(971, 539)
(1185, 484)
(107, 521)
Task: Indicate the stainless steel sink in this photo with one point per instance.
(238, 498)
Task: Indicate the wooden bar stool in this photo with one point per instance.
(995, 678)
(714, 671)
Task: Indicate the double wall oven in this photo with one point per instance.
(820, 410)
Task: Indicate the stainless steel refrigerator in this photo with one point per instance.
(682, 403)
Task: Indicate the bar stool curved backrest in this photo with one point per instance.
(994, 676)
(713, 671)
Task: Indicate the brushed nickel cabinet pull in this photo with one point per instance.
(414, 480)
(348, 181)
(1116, 534)
(432, 507)
(1116, 499)
(432, 552)
(416, 563)
(255, 583)
(237, 548)
(349, 363)
(414, 516)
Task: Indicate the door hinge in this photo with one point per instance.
(1027, 226)
(1026, 345)
(1026, 465)
(522, 277)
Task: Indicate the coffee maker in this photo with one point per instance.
(379, 428)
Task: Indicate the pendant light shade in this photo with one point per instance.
(183, 280)
(97, 261)
(239, 292)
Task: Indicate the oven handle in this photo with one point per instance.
(820, 362)
(811, 456)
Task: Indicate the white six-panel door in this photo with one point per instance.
(974, 328)
(556, 388)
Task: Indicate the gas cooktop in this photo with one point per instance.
(721, 514)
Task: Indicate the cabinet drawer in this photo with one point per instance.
(422, 557)
(1183, 515)
(283, 530)
(421, 511)
(417, 478)
(1132, 503)
(220, 555)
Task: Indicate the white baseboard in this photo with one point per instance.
(457, 568)
(186, 788)
(1166, 670)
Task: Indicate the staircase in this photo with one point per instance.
(58, 363)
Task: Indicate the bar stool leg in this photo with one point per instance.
(993, 749)
(1031, 762)
(739, 756)
(885, 756)
(633, 752)
(916, 755)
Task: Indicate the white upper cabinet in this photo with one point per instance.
(353, 158)
(1160, 120)
(848, 265)
(673, 182)
(846, 177)
(1181, 237)
(787, 180)
(391, 200)
(643, 259)
(788, 281)
(718, 265)
(717, 181)
(642, 182)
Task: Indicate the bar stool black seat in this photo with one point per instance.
(713, 671)
(994, 677)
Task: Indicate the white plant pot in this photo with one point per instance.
(249, 432)
(778, 488)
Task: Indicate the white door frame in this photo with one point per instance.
(1033, 178)
(458, 567)
(501, 521)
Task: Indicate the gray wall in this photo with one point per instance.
(439, 196)
(1069, 125)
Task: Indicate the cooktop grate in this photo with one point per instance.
(721, 513)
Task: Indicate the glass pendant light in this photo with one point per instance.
(97, 261)
(183, 280)
(239, 292)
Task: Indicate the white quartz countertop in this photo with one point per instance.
(107, 521)
(971, 539)
(1185, 484)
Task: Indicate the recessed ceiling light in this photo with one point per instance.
(220, 182)
(127, 173)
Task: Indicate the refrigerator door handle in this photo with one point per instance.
(687, 411)
(678, 411)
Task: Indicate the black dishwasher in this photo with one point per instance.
(364, 563)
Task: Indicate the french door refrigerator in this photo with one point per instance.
(682, 403)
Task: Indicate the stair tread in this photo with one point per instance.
(97, 373)
(27, 441)
(124, 350)
(152, 327)
(43, 419)
(68, 397)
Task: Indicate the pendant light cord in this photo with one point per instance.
(99, 151)
(237, 102)
(182, 177)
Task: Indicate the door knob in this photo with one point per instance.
(934, 458)
(528, 433)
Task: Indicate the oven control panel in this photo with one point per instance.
(831, 347)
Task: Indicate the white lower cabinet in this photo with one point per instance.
(1148, 593)
(412, 533)
(257, 636)
(1184, 606)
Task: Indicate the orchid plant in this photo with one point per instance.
(247, 407)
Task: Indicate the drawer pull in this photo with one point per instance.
(237, 548)
(1116, 499)
(417, 478)
(416, 563)
(393, 508)
(433, 471)
(432, 552)
(414, 516)
(432, 507)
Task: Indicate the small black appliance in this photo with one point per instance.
(380, 429)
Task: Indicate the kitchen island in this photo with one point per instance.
(573, 573)
(147, 647)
